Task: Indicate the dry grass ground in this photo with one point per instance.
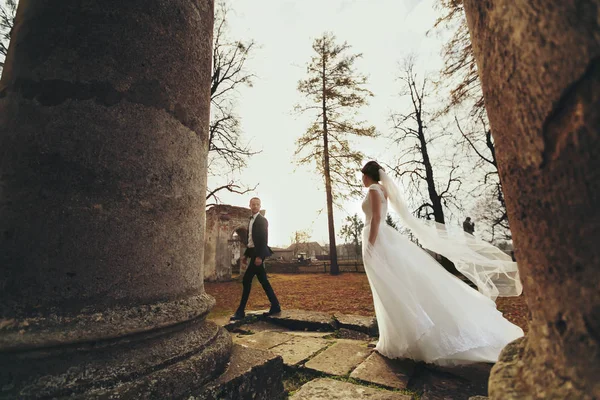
(348, 293)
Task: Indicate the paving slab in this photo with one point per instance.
(236, 337)
(230, 325)
(263, 326)
(340, 359)
(344, 333)
(301, 320)
(308, 334)
(358, 323)
(329, 389)
(256, 313)
(470, 372)
(383, 371)
(250, 371)
(457, 383)
(299, 349)
(264, 340)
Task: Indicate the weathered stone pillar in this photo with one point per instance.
(104, 109)
(539, 63)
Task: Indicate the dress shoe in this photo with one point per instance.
(272, 311)
(237, 317)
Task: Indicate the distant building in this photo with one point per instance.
(310, 249)
(348, 251)
(282, 254)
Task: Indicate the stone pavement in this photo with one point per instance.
(331, 357)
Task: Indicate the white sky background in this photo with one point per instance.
(383, 30)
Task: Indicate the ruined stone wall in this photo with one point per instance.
(222, 221)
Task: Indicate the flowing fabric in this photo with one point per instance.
(410, 5)
(489, 268)
(423, 311)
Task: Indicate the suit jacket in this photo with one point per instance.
(260, 237)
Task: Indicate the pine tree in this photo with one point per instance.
(334, 91)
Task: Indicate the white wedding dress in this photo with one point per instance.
(424, 312)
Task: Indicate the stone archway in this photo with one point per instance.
(222, 223)
(237, 247)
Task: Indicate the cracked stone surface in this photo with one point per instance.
(382, 371)
(263, 326)
(357, 323)
(249, 371)
(329, 389)
(264, 340)
(304, 320)
(341, 358)
(342, 355)
(308, 334)
(299, 349)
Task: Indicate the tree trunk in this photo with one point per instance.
(334, 270)
(103, 145)
(539, 63)
(332, 248)
(436, 201)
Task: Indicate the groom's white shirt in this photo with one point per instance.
(250, 241)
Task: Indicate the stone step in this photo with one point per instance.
(458, 382)
(329, 389)
(304, 320)
(385, 372)
(357, 323)
(263, 340)
(299, 349)
(301, 320)
(341, 358)
(294, 349)
(251, 374)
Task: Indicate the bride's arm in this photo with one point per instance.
(376, 215)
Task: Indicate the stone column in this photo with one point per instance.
(104, 110)
(539, 63)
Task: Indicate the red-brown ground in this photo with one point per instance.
(347, 293)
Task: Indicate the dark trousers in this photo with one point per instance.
(261, 274)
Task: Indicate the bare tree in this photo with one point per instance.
(460, 68)
(231, 186)
(416, 139)
(352, 232)
(227, 150)
(334, 91)
(7, 16)
(491, 207)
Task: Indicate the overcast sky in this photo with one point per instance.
(384, 31)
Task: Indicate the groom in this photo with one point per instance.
(257, 251)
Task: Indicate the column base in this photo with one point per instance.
(172, 363)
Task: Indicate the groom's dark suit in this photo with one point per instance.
(260, 238)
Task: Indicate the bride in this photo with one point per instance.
(424, 312)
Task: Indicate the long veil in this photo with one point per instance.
(488, 267)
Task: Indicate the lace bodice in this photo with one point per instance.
(366, 205)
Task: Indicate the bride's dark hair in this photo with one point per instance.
(371, 169)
